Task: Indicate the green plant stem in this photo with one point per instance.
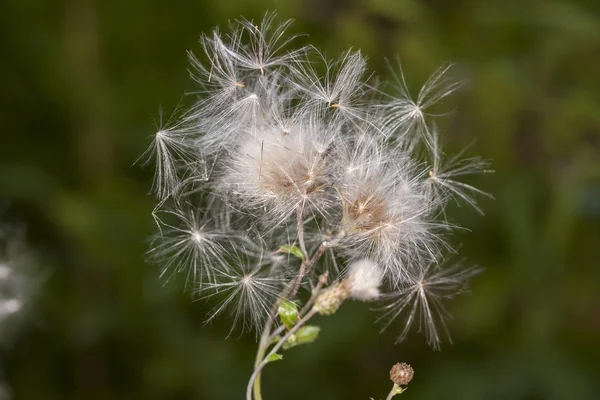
(305, 308)
(265, 340)
(260, 353)
(266, 337)
(256, 387)
(315, 292)
(395, 390)
(265, 360)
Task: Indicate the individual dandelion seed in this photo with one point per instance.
(441, 182)
(220, 79)
(229, 104)
(224, 120)
(421, 297)
(406, 117)
(265, 44)
(282, 111)
(341, 89)
(172, 149)
(190, 242)
(246, 289)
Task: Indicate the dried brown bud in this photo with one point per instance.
(332, 298)
(401, 374)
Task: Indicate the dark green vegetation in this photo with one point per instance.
(81, 84)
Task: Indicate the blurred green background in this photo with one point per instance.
(81, 84)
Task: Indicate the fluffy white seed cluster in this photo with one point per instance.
(285, 147)
(364, 279)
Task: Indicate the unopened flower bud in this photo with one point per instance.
(332, 298)
(401, 374)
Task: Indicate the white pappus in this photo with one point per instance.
(288, 164)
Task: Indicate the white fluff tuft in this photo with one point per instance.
(364, 279)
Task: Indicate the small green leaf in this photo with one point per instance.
(306, 334)
(293, 250)
(400, 390)
(274, 357)
(288, 312)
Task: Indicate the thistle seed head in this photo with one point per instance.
(274, 154)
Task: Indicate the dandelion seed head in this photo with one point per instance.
(275, 153)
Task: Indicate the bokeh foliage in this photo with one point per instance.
(82, 83)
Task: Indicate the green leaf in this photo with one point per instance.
(288, 312)
(274, 357)
(293, 250)
(306, 334)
